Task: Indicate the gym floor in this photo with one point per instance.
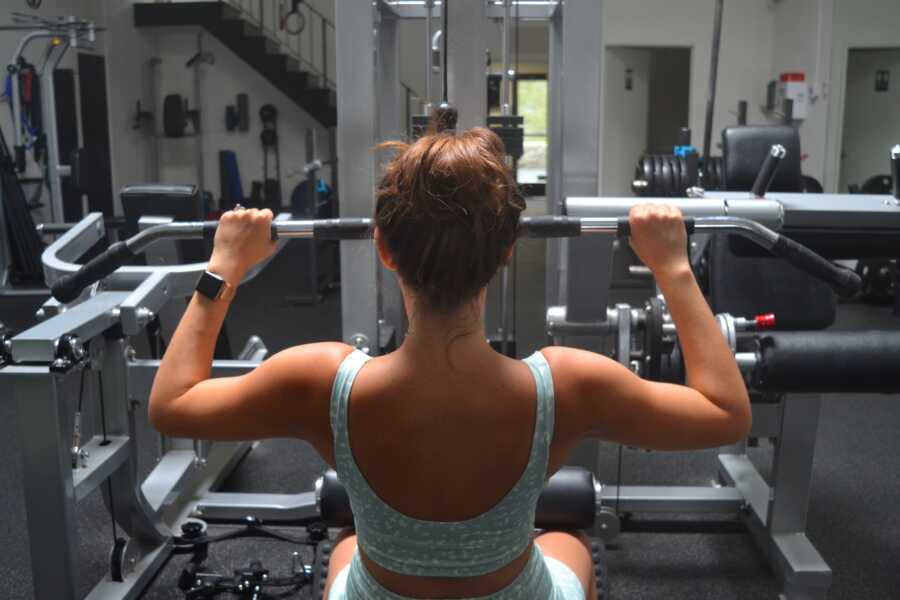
(852, 515)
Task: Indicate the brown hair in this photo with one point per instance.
(448, 210)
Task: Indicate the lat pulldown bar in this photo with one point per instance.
(844, 281)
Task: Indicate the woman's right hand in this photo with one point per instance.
(658, 237)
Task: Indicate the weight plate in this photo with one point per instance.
(685, 180)
(710, 173)
(636, 188)
(267, 113)
(666, 176)
(117, 560)
(608, 524)
(651, 180)
(720, 179)
(673, 180)
(268, 137)
(676, 176)
(658, 184)
(647, 169)
(653, 334)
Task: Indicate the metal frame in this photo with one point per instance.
(357, 58)
(44, 391)
(776, 514)
(362, 123)
(70, 31)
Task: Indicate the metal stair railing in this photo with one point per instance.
(313, 47)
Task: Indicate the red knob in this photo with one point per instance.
(765, 321)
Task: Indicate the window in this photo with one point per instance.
(531, 103)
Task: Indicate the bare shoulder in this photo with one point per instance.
(571, 365)
(313, 363)
(577, 376)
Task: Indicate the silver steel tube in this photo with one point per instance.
(505, 107)
(767, 212)
(187, 229)
(307, 228)
(429, 7)
(295, 229)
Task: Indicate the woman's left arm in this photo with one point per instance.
(286, 396)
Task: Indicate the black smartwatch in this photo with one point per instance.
(214, 287)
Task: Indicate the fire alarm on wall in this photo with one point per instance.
(793, 86)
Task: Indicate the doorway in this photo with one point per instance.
(871, 119)
(646, 99)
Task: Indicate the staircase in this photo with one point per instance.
(306, 85)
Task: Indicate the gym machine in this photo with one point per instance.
(79, 389)
(32, 104)
(62, 33)
(373, 31)
(785, 371)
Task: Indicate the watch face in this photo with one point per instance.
(210, 285)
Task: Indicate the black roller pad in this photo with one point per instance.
(566, 502)
(854, 362)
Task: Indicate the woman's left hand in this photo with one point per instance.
(243, 239)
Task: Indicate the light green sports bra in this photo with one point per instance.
(467, 548)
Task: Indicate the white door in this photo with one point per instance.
(625, 90)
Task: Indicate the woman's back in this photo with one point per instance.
(489, 421)
(463, 436)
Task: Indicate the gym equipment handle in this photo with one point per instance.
(845, 282)
(324, 229)
(766, 174)
(842, 280)
(69, 287)
(623, 227)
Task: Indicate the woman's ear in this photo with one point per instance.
(383, 253)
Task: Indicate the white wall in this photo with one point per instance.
(745, 57)
(871, 119)
(857, 24)
(221, 82)
(802, 43)
(624, 116)
(129, 51)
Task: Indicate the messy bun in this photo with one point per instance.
(448, 211)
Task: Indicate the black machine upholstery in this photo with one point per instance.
(745, 281)
(567, 501)
(745, 148)
(830, 361)
(181, 202)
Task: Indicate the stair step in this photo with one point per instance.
(153, 14)
(230, 13)
(253, 45)
(298, 79)
(251, 30)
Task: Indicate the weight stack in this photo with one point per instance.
(665, 175)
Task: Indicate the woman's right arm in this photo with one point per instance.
(598, 397)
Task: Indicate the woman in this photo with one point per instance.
(451, 441)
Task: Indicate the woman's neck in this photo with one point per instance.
(455, 337)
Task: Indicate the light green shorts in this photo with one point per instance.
(543, 578)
